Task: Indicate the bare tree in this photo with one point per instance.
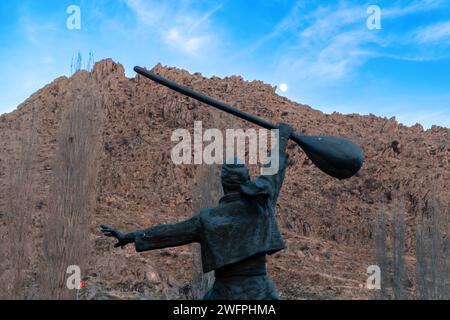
(432, 248)
(393, 270)
(210, 189)
(398, 253)
(73, 190)
(19, 215)
(381, 251)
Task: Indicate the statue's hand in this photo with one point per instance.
(122, 238)
(285, 130)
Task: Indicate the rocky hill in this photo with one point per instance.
(95, 148)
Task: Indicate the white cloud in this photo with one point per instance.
(148, 12)
(435, 33)
(190, 45)
(180, 26)
(289, 22)
(342, 55)
(327, 21)
(35, 31)
(416, 6)
(204, 18)
(332, 41)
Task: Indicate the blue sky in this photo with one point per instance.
(323, 50)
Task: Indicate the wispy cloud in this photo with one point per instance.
(436, 33)
(290, 22)
(148, 12)
(189, 44)
(399, 9)
(204, 18)
(36, 31)
(326, 21)
(179, 25)
(332, 41)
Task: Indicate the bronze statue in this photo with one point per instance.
(236, 236)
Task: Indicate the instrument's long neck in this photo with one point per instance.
(205, 99)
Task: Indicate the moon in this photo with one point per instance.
(283, 87)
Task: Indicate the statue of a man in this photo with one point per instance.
(235, 236)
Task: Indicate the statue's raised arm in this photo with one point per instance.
(270, 184)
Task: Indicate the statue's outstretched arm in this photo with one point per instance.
(158, 237)
(168, 235)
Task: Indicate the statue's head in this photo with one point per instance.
(234, 173)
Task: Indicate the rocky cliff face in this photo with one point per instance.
(95, 148)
